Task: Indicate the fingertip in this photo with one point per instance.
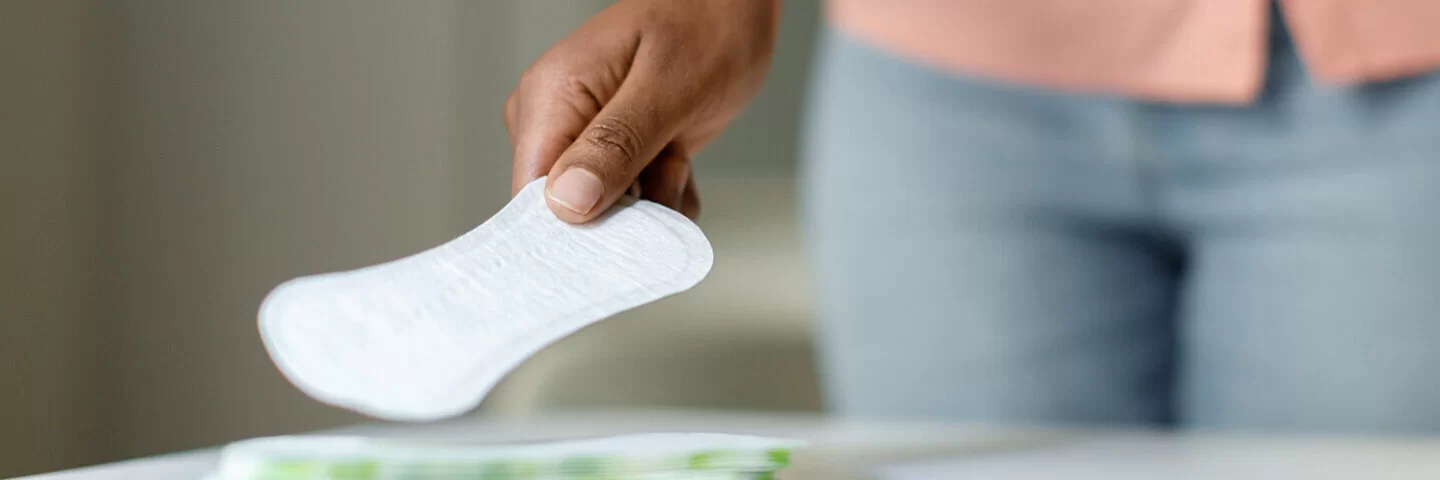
(564, 213)
(690, 204)
(666, 178)
(577, 189)
(518, 181)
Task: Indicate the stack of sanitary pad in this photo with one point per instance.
(684, 456)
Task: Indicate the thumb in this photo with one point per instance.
(609, 154)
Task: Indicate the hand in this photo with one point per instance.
(629, 97)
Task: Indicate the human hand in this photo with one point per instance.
(630, 96)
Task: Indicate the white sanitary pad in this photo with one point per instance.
(426, 336)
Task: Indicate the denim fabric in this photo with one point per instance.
(992, 252)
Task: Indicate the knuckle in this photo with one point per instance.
(528, 77)
(620, 138)
(535, 78)
(583, 89)
(582, 92)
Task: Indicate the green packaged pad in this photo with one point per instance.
(680, 456)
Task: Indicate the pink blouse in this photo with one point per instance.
(1169, 50)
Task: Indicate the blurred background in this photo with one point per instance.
(164, 163)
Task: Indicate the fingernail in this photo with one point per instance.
(578, 190)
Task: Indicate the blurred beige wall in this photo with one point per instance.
(51, 342)
(257, 141)
(172, 160)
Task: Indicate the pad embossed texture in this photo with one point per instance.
(426, 336)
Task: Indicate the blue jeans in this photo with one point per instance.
(991, 252)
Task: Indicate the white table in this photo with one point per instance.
(195, 464)
(911, 451)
